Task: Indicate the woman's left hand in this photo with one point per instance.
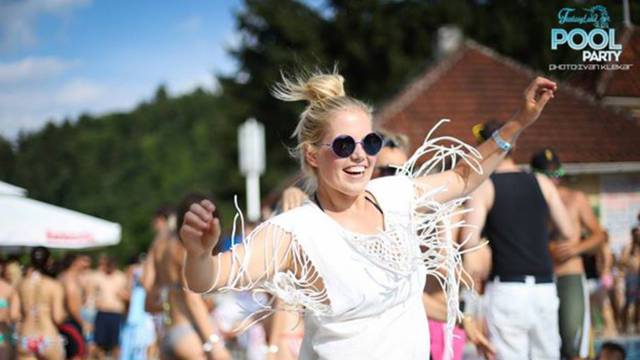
(536, 96)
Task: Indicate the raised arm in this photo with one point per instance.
(266, 253)
(463, 179)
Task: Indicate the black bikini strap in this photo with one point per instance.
(375, 204)
(315, 198)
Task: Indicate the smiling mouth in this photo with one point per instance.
(355, 170)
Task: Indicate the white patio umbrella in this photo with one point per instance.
(8, 189)
(27, 222)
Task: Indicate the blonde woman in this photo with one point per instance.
(355, 256)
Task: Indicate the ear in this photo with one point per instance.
(311, 156)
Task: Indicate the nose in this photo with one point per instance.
(358, 154)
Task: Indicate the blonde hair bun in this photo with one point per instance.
(325, 94)
(312, 87)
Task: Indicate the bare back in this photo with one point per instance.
(570, 200)
(42, 305)
(110, 292)
(168, 257)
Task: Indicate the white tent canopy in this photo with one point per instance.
(27, 222)
(8, 189)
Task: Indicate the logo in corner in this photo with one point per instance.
(596, 15)
(598, 45)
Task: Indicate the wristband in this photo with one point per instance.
(211, 342)
(503, 144)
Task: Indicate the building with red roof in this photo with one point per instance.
(599, 143)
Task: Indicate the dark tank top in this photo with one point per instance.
(516, 227)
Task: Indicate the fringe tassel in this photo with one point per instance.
(295, 288)
(441, 255)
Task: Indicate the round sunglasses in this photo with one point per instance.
(344, 145)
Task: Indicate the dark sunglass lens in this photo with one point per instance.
(343, 146)
(372, 143)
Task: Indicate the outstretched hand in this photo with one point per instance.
(200, 230)
(536, 96)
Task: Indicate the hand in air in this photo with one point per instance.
(536, 96)
(200, 231)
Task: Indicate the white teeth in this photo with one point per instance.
(355, 169)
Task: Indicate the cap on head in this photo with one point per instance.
(547, 161)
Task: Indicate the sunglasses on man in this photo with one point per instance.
(556, 174)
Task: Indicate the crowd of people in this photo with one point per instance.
(542, 287)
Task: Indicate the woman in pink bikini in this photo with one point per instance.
(42, 298)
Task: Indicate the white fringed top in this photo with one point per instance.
(361, 295)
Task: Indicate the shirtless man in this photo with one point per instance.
(89, 281)
(41, 297)
(111, 295)
(574, 316)
(9, 314)
(72, 328)
(162, 226)
(188, 331)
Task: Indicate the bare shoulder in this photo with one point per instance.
(5, 287)
(575, 199)
(52, 286)
(68, 282)
(121, 275)
(580, 197)
(484, 193)
(547, 186)
(543, 180)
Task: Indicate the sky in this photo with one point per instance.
(63, 58)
